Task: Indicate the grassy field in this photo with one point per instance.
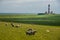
(53, 20)
(40, 23)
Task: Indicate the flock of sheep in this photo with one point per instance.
(29, 31)
(13, 25)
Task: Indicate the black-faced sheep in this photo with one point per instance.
(12, 24)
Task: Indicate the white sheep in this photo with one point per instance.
(47, 30)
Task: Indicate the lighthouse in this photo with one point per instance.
(48, 8)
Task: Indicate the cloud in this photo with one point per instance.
(24, 6)
(27, 0)
(24, 1)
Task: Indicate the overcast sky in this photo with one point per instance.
(28, 6)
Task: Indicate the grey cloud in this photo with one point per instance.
(33, 7)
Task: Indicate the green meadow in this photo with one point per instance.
(40, 23)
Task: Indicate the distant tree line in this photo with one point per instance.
(41, 13)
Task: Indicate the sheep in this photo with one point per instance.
(12, 24)
(47, 30)
(30, 32)
(17, 26)
(6, 24)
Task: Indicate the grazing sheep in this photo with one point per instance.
(12, 25)
(30, 32)
(6, 24)
(47, 30)
(17, 26)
